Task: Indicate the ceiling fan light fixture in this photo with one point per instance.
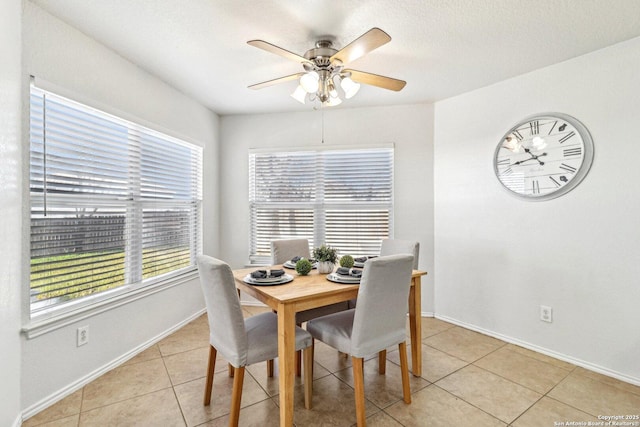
(324, 69)
(331, 87)
(299, 94)
(332, 102)
(309, 82)
(349, 87)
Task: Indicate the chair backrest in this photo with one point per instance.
(227, 332)
(283, 250)
(396, 246)
(380, 316)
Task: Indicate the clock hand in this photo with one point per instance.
(533, 157)
(522, 161)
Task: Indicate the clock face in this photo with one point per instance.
(543, 156)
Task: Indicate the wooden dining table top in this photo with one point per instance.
(302, 290)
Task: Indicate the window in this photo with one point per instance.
(341, 197)
(114, 206)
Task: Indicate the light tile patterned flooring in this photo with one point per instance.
(469, 379)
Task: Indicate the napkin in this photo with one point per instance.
(262, 274)
(361, 259)
(344, 271)
(295, 259)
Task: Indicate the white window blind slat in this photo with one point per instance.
(343, 198)
(113, 204)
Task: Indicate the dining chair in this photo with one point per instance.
(377, 322)
(397, 246)
(283, 251)
(240, 341)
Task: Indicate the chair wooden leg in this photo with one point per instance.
(382, 362)
(308, 376)
(210, 369)
(404, 368)
(236, 397)
(270, 368)
(358, 380)
(231, 369)
(313, 348)
(299, 358)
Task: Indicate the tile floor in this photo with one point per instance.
(469, 379)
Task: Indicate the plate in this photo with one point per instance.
(346, 280)
(271, 281)
(292, 266)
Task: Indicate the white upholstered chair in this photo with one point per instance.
(377, 322)
(397, 246)
(284, 250)
(241, 342)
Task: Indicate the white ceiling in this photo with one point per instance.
(440, 47)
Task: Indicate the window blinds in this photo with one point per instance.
(113, 204)
(341, 197)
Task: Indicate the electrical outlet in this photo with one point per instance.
(546, 313)
(82, 335)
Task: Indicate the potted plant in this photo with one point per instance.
(326, 257)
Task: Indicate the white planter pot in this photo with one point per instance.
(325, 267)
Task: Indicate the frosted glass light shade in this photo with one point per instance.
(350, 87)
(309, 82)
(332, 102)
(299, 94)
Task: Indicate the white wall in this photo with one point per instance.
(409, 127)
(10, 211)
(497, 258)
(59, 54)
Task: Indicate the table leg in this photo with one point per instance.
(286, 354)
(415, 326)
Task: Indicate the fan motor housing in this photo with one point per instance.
(321, 56)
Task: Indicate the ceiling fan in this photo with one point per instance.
(324, 69)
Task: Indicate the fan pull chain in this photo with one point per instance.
(322, 110)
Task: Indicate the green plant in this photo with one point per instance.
(303, 266)
(346, 261)
(325, 253)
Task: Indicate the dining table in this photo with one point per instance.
(310, 291)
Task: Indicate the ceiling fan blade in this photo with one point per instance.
(276, 81)
(261, 44)
(377, 80)
(372, 39)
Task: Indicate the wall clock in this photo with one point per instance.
(543, 156)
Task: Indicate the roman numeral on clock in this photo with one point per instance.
(508, 171)
(502, 162)
(568, 152)
(517, 135)
(567, 168)
(567, 136)
(556, 183)
(535, 186)
(534, 127)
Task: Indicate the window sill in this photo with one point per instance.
(47, 323)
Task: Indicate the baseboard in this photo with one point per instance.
(81, 382)
(18, 421)
(578, 362)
